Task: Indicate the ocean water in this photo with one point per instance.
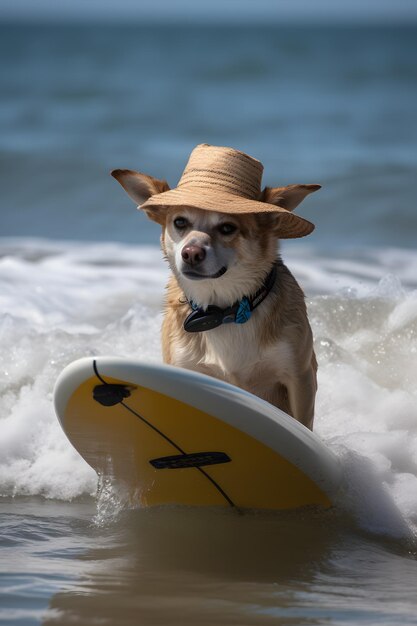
(81, 274)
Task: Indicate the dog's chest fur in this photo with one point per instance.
(249, 355)
(235, 352)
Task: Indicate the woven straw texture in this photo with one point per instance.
(228, 181)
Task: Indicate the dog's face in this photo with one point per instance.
(202, 245)
(217, 256)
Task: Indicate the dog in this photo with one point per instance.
(233, 310)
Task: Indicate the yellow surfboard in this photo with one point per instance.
(171, 436)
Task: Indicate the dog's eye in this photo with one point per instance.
(226, 228)
(180, 223)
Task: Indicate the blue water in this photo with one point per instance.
(334, 105)
(81, 274)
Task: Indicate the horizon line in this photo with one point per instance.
(202, 20)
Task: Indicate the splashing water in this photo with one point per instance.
(60, 302)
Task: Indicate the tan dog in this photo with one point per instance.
(226, 268)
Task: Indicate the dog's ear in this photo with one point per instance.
(287, 197)
(140, 187)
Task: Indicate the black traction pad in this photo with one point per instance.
(196, 459)
(109, 395)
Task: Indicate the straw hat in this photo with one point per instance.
(228, 181)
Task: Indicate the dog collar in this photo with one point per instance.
(240, 312)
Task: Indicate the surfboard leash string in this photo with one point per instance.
(117, 395)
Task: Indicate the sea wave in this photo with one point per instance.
(61, 301)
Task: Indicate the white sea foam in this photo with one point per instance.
(59, 302)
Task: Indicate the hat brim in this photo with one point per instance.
(291, 226)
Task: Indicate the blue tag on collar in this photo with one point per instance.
(243, 312)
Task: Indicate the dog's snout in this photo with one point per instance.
(193, 255)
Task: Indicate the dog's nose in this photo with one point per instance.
(193, 255)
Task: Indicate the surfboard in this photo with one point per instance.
(175, 437)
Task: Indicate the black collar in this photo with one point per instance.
(240, 312)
